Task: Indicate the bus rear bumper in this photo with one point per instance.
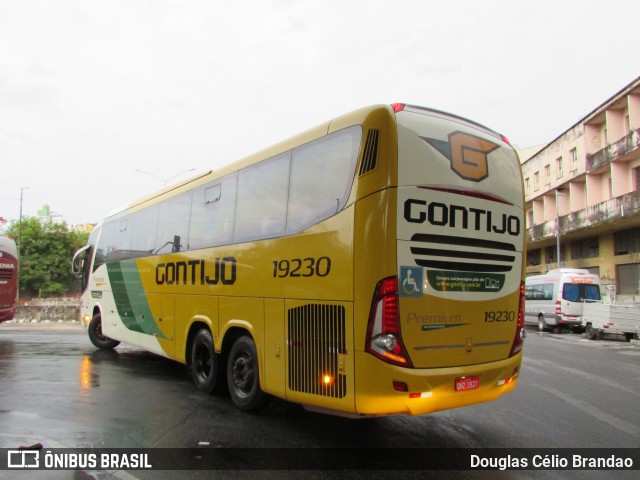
(397, 390)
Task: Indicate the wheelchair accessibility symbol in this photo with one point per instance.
(411, 281)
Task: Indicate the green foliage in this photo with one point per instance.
(46, 251)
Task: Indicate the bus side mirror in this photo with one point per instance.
(175, 244)
(77, 265)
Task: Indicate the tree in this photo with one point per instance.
(46, 251)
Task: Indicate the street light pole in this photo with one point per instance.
(558, 193)
(22, 189)
(19, 246)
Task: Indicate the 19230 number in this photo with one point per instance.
(302, 267)
(500, 316)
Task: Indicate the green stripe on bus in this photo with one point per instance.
(131, 300)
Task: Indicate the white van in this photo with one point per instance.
(556, 298)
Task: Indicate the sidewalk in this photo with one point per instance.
(43, 325)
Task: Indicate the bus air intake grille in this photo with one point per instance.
(462, 254)
(316, 339)
(370, 153)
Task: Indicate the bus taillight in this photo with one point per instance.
(383, 333)
(519, 338)
(558, 307)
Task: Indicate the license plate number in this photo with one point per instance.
(467, 383)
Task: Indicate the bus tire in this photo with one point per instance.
(542, 325)
(97, 337)
(204, 362)
(243, 376)
(590, 332)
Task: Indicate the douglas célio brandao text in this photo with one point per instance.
(568, 461)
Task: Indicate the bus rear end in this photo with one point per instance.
(445, 329)
(8, 278)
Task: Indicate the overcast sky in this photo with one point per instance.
(91, 90)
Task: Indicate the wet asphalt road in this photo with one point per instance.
(58, 390)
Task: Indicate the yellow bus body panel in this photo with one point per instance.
(433, 389)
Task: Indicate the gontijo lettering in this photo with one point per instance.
(197, 272)
(468, 218)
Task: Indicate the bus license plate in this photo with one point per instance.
(467, 383)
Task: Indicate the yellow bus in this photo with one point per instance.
(370, 266)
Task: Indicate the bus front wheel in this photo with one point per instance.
(204, 362)
(243, 377)
(97, 337)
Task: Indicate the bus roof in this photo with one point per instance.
(337, 123)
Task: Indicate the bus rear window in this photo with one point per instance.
(579, 292)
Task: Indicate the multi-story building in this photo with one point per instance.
(583, 196)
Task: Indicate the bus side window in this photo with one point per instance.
(262, 200)
(322, 173)
(212, 213)
(106, 246)
(145, 226)
(173, 224)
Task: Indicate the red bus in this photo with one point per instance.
(8, 278)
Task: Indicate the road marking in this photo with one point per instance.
(589, 409)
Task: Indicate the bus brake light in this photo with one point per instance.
(384, 339)
(558, 307)
(518, 340)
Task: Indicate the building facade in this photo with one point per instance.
(583, 197)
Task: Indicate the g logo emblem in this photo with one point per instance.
(467, 154)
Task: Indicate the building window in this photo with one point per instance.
(530, 218)
(586, 248)
(574, 157)
(527, 186)
(534, 257)
(550, 254)
(628, 279)
(547, 171)
(559, 167)
(626, 241)
(536, 179)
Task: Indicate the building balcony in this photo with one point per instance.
(618, 208)
(615, 151)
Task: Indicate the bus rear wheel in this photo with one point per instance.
(591, 333)
(542, 325)
(243, 376)
(97, 337)
(204, 362)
